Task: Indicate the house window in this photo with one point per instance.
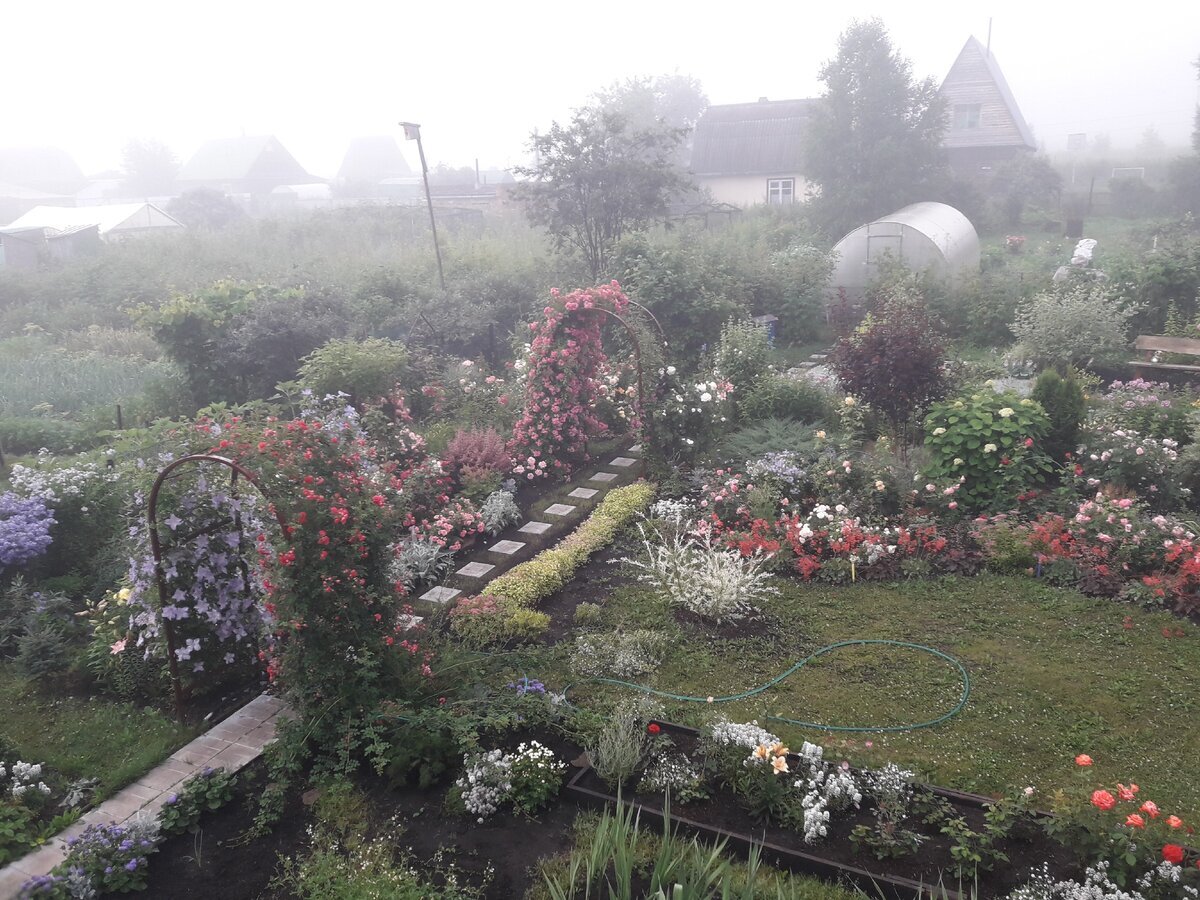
(781, 190)
(966, 115)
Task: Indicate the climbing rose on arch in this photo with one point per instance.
(551, 435)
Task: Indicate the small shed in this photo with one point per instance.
(926, 236)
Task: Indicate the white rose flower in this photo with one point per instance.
(939, 431)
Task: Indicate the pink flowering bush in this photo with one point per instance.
(1130, 461)
(1150, 408)
(482, 449)
(550, 437)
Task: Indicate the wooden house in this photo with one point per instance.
(748, 154)
(985, 126)
(246, 166)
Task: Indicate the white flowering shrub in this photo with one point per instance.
(704, 579)
(1095, 885)
(827, 789)
(746, 735)
(486, 783)
(535, 775)
(55, 483)
(623, 655)
(673, 774)
(499, 511)
(23, 778)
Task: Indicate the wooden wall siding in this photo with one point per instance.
(976, 79)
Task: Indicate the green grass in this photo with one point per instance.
(1053, 674)
(115, 742)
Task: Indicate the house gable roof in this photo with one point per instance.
(763, 138)
(239, 159)
(975, 78)
(373, 159)
(115, 217)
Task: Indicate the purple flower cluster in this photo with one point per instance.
(524, 686)
(24, 529)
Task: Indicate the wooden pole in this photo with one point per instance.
(411, 131)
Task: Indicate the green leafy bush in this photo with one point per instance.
(206, 791)
(743, 354)
(779, 397)
(1081, 323)
(29, 435)
(991, 442)
(363, 369)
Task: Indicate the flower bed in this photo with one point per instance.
(951, 832)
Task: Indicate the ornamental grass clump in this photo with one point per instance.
(707, 580)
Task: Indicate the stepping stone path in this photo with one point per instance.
(240, 739)
(487, 562)
(231, 745)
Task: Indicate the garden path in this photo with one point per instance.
(239, 740)
(232, 744)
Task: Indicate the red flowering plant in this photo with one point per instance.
(551, 434)
(1119, 825)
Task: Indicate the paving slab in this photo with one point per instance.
(604, 477)
(440, 594)
(584, 493)
(11, 879)
(508, 548)
(42, 860)
(234, 758)
(636, 448)
(560, 509)
(535, 528)
(405, 622)
(475, 569)
(623, 462)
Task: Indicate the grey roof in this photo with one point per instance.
(960, 83)
(44, 168)
(240, 158)
(763, 138)
(373, 159)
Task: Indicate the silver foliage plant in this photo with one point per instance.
(418, 559)
(623, 655)
(499, 511)
(708, 580)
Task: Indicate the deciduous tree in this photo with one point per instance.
(598, 179)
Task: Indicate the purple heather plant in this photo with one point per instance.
(24, 529)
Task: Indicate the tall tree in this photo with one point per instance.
(646, 102)
(149, 167)
(598, 179)
(874, 139)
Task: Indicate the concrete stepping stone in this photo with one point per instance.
(583, 493)
(604, 477)
(623, 462)
(475, 569)
(508, 548)
(440, 594)
(406, 622)
(560, 509)
(636, 448)
(535, 528)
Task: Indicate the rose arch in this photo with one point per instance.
(566, 355)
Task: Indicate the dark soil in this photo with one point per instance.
(754, 626)
(216, 863)
(593, 583)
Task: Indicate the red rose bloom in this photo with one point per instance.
(654, 728)
(1172, 853)
(1103, 800)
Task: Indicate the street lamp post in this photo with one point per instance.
(412, 132)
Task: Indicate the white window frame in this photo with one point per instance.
(781, 191)
(967, 116)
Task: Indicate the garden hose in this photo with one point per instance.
(828, 648)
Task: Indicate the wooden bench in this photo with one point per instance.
(1150, 346)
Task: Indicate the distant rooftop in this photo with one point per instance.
(114, 217)
(763, 138)
(237, 159)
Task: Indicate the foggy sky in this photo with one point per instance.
(480, 77)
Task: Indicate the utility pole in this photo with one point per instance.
(412, 132)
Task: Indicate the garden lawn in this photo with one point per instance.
(1053, 674)
(92, 738)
